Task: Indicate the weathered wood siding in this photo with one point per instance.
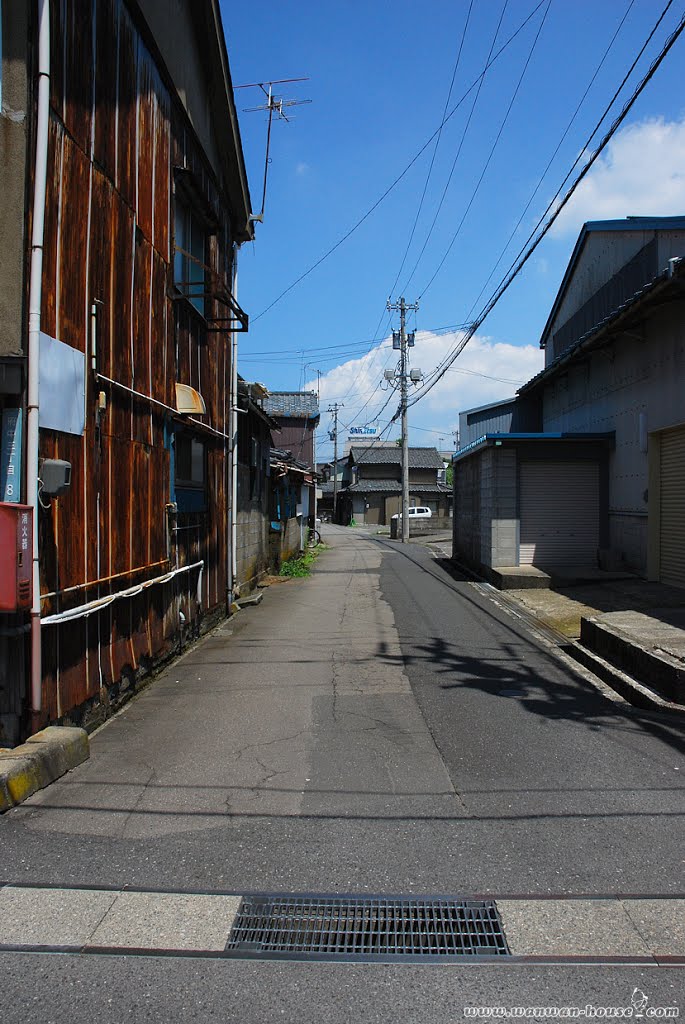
(116, 135)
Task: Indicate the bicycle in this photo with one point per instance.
(313, 538)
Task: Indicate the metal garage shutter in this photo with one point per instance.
(672, 549)
(559, 513)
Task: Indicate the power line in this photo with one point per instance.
(556, 150)
(403, 173)
(492, 150)
(670, 42)
(458, 153)
(437, 142)
(449, 359)
(594, 131)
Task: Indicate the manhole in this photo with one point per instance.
(369, 928)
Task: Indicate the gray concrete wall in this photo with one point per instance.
(13, 141)
(504, 509)
(466, 524)
(252, 535)
(633, 387)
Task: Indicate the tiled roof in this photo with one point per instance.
(419, 458)
(292, 403)
(394, 487)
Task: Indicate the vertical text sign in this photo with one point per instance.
(10, 456)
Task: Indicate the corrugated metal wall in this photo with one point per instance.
(115, 137)
(672, 512)
(559, 519)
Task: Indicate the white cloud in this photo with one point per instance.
(641, 173)
(486, 371)
(302, 169)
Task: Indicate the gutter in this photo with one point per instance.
(35, 302)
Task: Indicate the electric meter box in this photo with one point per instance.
(16, 556)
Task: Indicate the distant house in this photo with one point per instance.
(254, 555)
(329, 475)
(586, 467)
(292, 484)
(297, 416)
(373, 493)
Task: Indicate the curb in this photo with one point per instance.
(631, 689)
(44, 758)
(625, 686)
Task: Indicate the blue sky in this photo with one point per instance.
(379, 75)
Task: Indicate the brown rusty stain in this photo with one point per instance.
(146, 341)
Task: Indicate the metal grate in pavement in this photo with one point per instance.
(368, 928)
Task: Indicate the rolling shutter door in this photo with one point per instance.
(559, 513)
(672, 548)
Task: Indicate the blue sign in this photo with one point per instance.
(10, 456)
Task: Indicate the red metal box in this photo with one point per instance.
(16, 549)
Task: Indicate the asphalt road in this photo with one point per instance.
(381, 727)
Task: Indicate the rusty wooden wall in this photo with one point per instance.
(116, 134)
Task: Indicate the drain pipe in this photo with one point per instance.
(35, 299)
(234, 443)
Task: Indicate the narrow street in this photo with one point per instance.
(379, 728)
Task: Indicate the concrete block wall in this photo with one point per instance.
(487, 502)
(466, 522)
(252, 542)
(505, 523)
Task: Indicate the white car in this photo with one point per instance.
(416, 512)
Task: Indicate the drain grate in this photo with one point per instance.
(369, 928)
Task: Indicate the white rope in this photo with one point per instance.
(103, 602)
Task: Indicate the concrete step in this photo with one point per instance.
(640, 660)
(633, 691)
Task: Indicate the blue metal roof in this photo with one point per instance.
(487, 440)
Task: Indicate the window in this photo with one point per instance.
(190, 473)
(190, 256)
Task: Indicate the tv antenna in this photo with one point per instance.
(274, 105)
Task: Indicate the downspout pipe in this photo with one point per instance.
(233, 522)
(35, 301)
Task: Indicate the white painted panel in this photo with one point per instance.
(559, 513)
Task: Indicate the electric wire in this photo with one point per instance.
(517, 268)
(491, 153)
(552, 157)
(402, 174)
(458, 153)
(592, 134)
(437, 143)
(448, 359)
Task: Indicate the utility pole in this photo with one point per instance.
(402, 306)
(334, 409)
